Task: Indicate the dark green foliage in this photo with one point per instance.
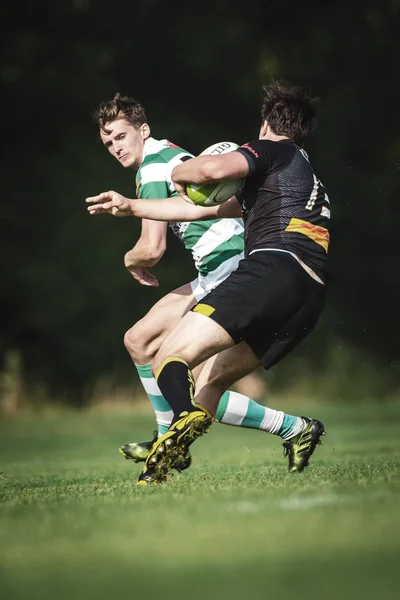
(66, 299)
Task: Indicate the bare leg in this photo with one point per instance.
(194, 339)
(221, 371)
(144, 339)
(191, 342)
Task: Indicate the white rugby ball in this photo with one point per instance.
(211, 194)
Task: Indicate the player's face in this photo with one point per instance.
(125, 142)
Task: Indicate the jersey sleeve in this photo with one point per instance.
(257, 155)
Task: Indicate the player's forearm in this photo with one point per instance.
(162, 210)
(196, 170)
(143, 255)
(172, 209)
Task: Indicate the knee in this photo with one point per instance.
(137, 341)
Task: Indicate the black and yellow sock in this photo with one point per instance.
(175, 380)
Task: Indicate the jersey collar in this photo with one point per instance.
(150, 146)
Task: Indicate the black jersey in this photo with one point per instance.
(284, 204)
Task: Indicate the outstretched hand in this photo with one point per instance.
(110, 202)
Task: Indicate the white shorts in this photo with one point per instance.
(203, 284)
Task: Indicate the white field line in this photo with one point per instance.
(305, 502)
(295, 503)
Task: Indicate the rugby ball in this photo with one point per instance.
(211, 194)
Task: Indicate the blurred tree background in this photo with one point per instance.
(66, 299)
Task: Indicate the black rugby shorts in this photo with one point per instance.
(270, 302)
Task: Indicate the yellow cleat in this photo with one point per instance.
(172, 448)
(299, 448)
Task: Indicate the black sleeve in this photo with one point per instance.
(257, 155)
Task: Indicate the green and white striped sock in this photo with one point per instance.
(162, 409)
(241, 411)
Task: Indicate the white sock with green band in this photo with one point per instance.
(241, 411)
(233, 409)
(162, 409)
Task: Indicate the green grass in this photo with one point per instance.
(73, 525)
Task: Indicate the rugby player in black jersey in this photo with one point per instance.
(274, 298)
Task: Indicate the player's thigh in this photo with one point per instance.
(227, 367)
(194, 339)
(165, 314)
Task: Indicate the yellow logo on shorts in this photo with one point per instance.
(204, 309)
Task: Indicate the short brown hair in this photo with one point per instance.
(120, 107)
(290, 110)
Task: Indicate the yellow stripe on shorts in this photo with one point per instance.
(204, 309)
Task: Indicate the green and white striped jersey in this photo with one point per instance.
(210, 242)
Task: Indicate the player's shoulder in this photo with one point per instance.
(162, 151)
(269, 145)
(258, 148)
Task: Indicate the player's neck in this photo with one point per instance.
(266, 133)
(272, 137)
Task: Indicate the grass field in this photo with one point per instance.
(236, 526)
